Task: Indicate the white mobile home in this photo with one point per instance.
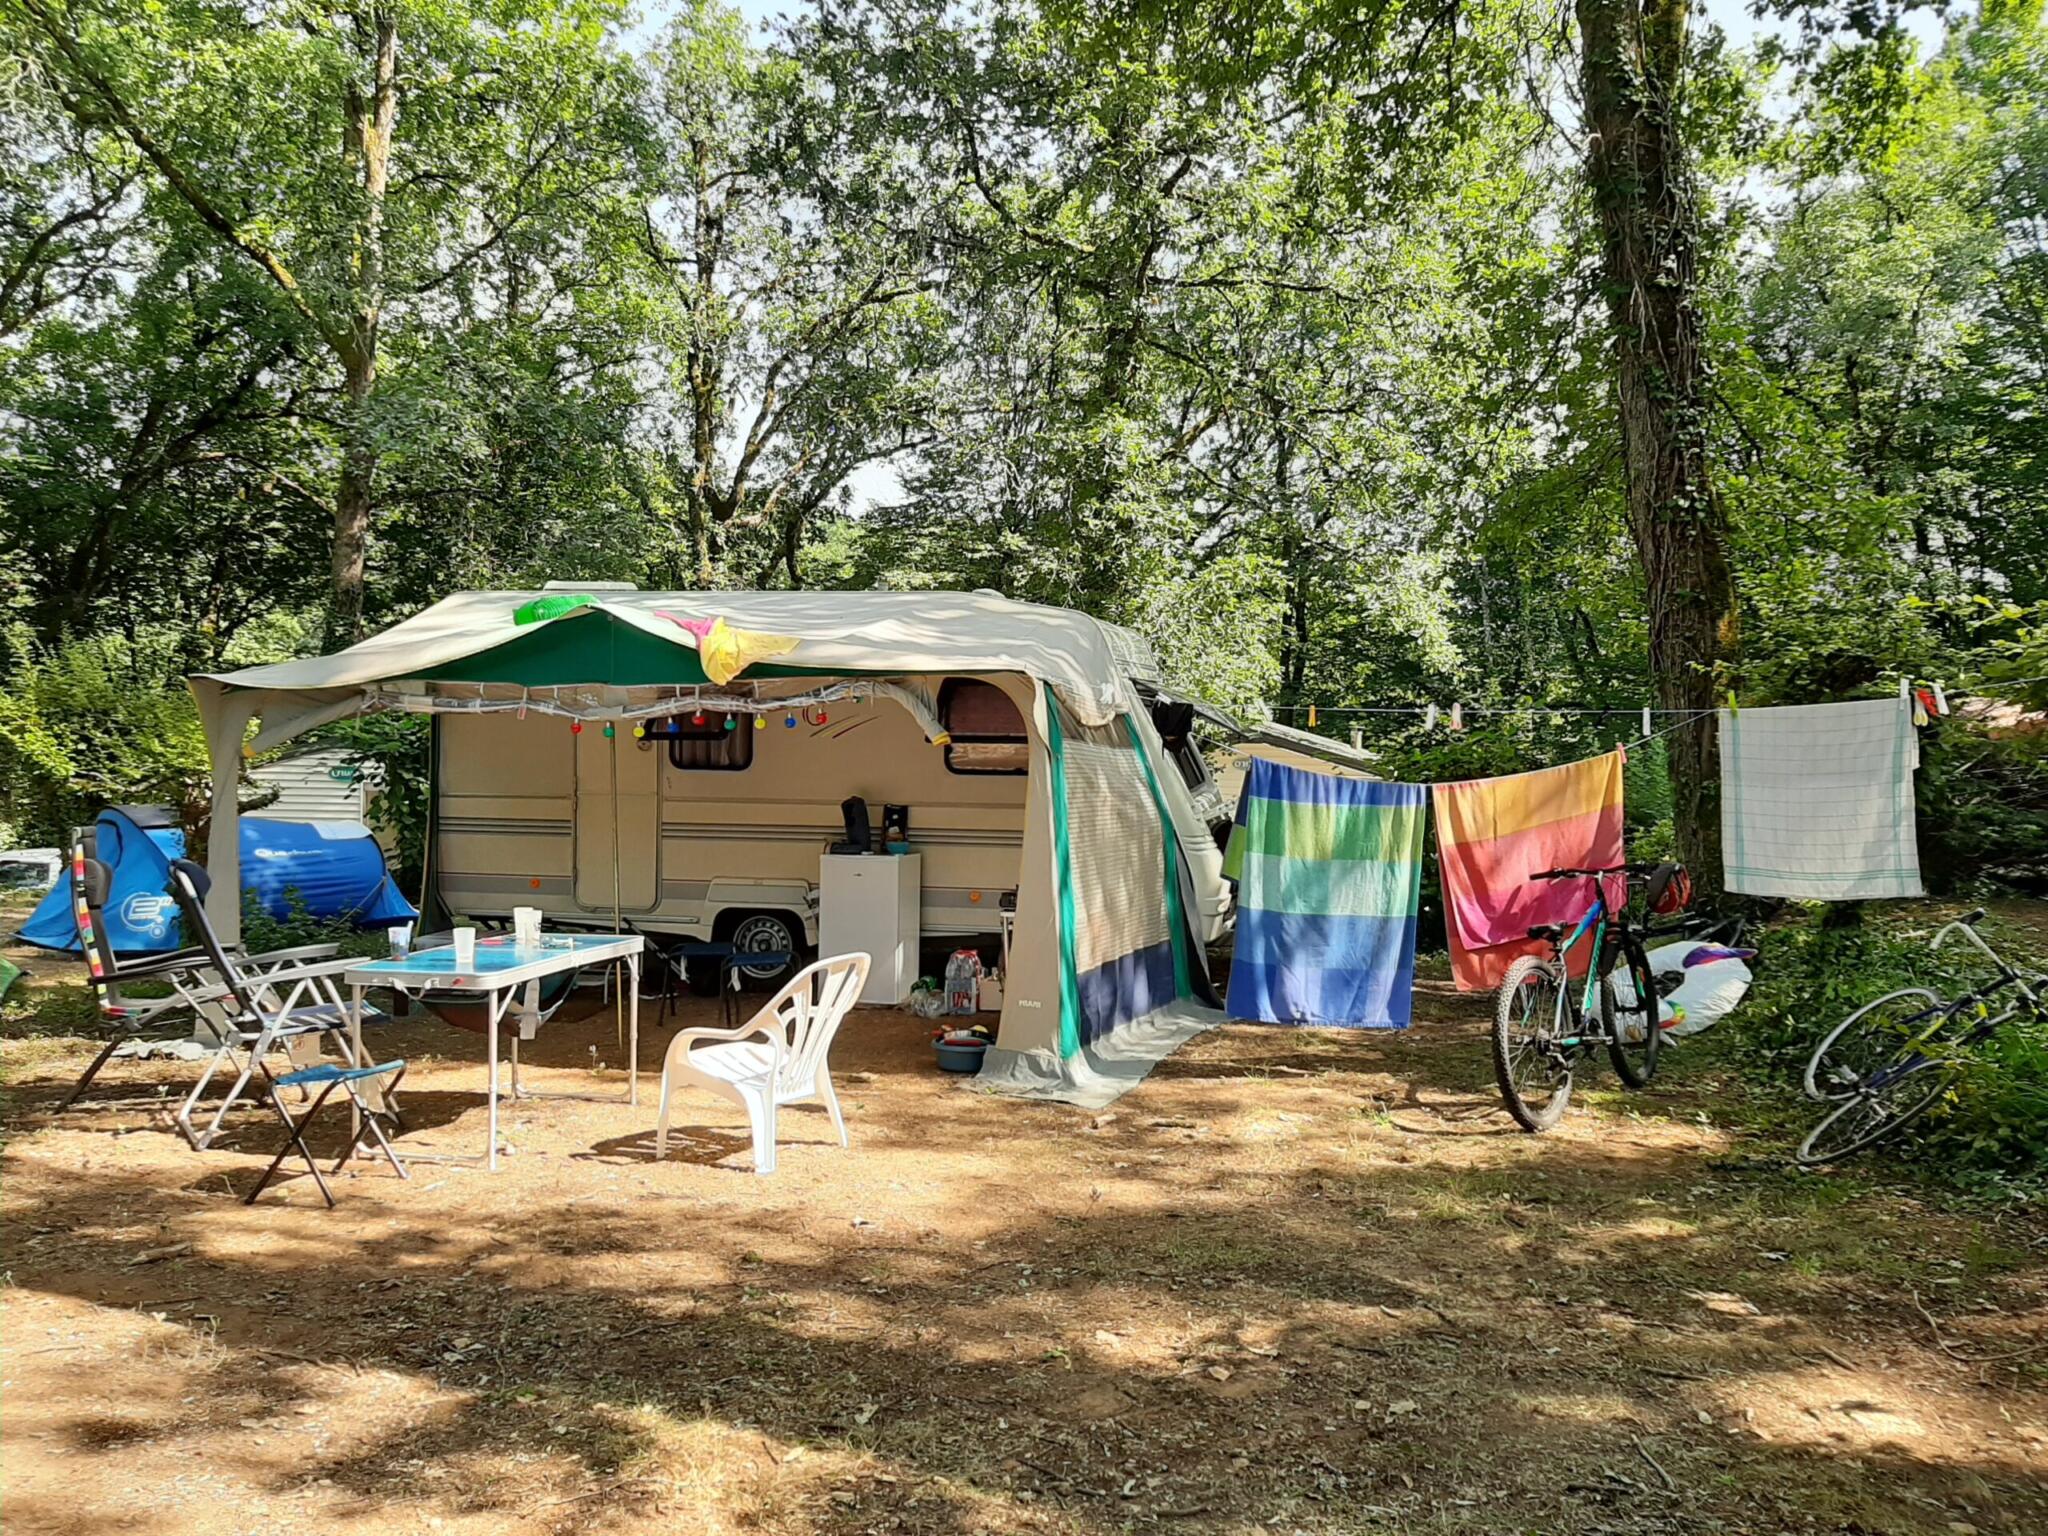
(679, 760)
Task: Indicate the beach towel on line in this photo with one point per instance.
(1493, 834)
(1328, 873)
(1817, 801)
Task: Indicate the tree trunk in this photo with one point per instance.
(353, 499)
(1634, 54)
(369, 126)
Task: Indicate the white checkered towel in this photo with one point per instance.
(1817, 801)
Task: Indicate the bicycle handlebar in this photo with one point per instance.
(1589, 874)
(1577, 874)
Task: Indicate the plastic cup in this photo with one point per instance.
(465, 947)
(526, 927)
(401, 940)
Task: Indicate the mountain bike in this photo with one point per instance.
(1544, 1026)
(1890, 1060)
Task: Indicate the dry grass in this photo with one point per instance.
(1297, 1282)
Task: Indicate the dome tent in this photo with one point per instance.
(330, 869)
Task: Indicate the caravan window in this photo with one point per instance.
(987, 730)
(709, 746)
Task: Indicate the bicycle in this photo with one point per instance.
(1538, 1025)
(1891, 1059)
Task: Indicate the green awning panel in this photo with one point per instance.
(590, 649)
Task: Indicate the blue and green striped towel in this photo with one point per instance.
(1328, 874)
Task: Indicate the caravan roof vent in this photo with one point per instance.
(588, 586)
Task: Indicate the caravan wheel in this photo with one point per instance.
(767, 933)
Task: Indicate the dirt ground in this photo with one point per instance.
(1300, 1281)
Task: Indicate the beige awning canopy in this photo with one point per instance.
(641, 640)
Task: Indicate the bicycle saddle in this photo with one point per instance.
(1547, 931)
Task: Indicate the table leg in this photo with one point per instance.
(491, 1152)
(633, 1033)
(355, 1046)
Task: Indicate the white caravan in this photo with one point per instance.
(720, 820)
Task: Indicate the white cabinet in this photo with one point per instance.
(868, 904)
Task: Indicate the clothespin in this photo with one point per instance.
(1905, 691)
(1940, 699)
(1646, 722)
(1733, 707)
(1457, 717)
(1357, 738)
(1923, 706)
(1311, 717)
(522, 703)
(1429, 718)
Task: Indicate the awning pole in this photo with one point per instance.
(611, 736)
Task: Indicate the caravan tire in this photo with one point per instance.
(770, 933)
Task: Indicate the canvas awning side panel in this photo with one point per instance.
(1130, 976)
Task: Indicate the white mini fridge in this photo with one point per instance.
(868, 904)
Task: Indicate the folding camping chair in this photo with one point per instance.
(369, 1118)
(261, 1014)
(183, 970)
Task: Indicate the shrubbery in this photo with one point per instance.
(94, 723)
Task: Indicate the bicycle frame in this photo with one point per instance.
(1594, 919)
(1914, 1056)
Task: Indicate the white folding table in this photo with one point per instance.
(499, 970)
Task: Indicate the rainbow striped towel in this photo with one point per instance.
(1493, 834)
(1328, 872)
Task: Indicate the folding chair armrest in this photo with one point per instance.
(158, 965)
(311, 970)
(294, 955)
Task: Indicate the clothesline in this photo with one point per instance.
(1645, 712)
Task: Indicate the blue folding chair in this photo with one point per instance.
(328, 1076)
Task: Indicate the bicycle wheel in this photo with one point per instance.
(1876, 1112)
(1869, 1040)
(1530, 1064)
(1634, 1031)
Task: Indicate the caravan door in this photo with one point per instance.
(617, 775)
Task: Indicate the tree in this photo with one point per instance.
(788, 253)
(1633, 55)
(363, 185)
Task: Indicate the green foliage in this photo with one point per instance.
(93, 723)
(298, 926)
(1982, 793)
(395, 750)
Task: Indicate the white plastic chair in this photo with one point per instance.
(777, 1057)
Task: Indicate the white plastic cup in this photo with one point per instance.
(401, 940)
(526, 927)
(465, 947)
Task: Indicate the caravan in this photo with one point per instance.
(712, 831)
(678, 761)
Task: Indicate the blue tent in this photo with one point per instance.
(334, 869)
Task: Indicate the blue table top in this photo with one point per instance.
(498, 962)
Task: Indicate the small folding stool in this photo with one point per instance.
(327, 1076)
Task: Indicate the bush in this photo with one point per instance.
(261, 931)
(93, 723)
(1816, 969)
(1983, 807)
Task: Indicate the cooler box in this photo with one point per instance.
(868, 904)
